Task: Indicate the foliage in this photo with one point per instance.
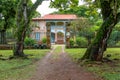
(10, 33)
(44, 40)
(29, 41)
(25, 12)
(81, 42)
(7, 13)
(82, 27)
(41, 45)
(111, 16)
(99, 22)
(63, 4)
(118, 43)
(71, 42)
(7, 17)
(114, 38)
(88, 32)
(80, 10)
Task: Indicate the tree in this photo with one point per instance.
(7, 17)
(80, 25)
(63, 5)
(114, 37)
(111, 16)
(25, 11)
(80, 10)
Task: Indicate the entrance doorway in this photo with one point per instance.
(52, 37)
(60, 38)
(57, 34)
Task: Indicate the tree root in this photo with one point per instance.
(16, 57)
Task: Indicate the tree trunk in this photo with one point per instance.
(89, 41)
(22, 24)
(110, 19)
(24, 15)
(96, 49)
(3, 37)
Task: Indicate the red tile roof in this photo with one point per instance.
(57, 17)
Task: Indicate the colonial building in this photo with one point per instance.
(52, 26)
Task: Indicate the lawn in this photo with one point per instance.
(19, 69)
(57, 51)
(106, 70)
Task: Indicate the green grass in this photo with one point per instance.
(19, 69)
(58, 49)
(115, 52)
(76, 53)
(57, 52)
(108, 71)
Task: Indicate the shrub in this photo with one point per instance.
(81, 41)
(111, 43)
(44, 40)
(37, 46)
(29, 41)
(72, 43)
(114, 38)
(118, 43)
(43, 46)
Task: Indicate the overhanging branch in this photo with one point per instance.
(35, 5)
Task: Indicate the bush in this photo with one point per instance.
(29, 41)
(114, 38)
(81, 42)
(37, 46)
(118, 43)
(72, 43)
(44, 40)
(43, 46)
(111, 43)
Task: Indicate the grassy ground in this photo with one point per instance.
(19, 69)
(106, 70)
(57, 51)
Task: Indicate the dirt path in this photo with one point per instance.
(58, 66)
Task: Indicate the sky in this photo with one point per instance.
(44, 9)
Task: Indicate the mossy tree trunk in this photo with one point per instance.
(110, 19)
(24, 15)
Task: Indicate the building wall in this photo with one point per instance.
(39, 30)
(57, 26)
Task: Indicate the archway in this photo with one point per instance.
(60, 38)
(63, 33)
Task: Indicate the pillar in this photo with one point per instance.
(48, 34)
(55, 35)
(67, 37)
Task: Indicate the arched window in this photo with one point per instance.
(60, 24)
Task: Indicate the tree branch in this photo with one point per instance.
(106, 8)
(118, 17)
(35, 5)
